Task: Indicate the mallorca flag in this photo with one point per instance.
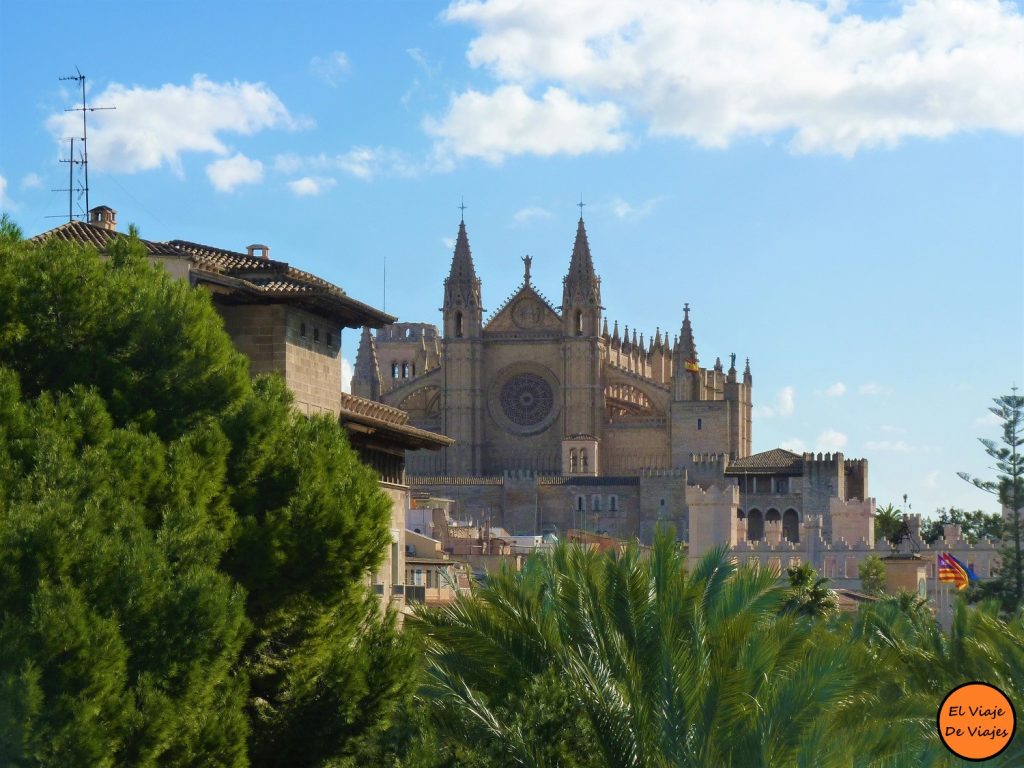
(952, 570)
(691, 365)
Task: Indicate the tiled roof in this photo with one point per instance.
(373, 417)
(776, 460)
(100, 237)
(247, 276)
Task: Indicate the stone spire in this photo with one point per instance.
(581, 288)
(747, 378)
(687, 347)
(366, 374)
(463, 310)
(462, 276)
(685, 368)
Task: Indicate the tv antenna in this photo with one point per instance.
(83, 155)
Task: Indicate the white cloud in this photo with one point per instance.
(309, 186)
(31, 181)
(794, 444)
(524, 215)
(227, 174)
(346, 375)
(364, 163)
(509, 121)
(153, 127)
(870, 389)
(785, 401)
(988, 420)
(899, 446)
(5, 201)
(836, 390)
(448, 243)
(717, 70)
(830, 440)
(931, 480)
(624, 210)
(331, 68)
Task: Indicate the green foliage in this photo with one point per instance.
(152, 347)
(119, 634)
(183, 557)
(888, 523)
(808, 594)
(668, 669)
(1009, 487)
(974, 525)
(871, 572)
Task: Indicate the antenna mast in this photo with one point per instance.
(84, 160)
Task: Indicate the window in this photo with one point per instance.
(579, 503)
(700, 424)
(394, 370)
(595, 503)
(330, 339)
(579, 323)
(417, 577)
(583, 459)
(413, 369)
(302, 330)
(613, 503)
(573, 464)
(782, 485)
(405, 370)
(316, 335)
(458, 325)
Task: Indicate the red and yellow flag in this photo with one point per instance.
(691, 365)
(950, 570)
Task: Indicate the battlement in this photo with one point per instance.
(711, 459)
(713, 494)
(823, 460)
(399, 332)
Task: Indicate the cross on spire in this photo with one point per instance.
(462, 209)
(580, 205)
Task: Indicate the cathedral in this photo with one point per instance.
(562, 423)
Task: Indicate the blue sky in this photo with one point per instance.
(836, 188)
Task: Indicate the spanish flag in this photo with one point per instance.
(691, 365)
(952, 570)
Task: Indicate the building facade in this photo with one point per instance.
(563, 422)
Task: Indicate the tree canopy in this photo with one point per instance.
(183, 557)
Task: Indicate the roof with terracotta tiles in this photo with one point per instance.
(251, 279)
(776, 460)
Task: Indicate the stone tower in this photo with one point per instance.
(463, 360)
(583, 398)
(366, 373)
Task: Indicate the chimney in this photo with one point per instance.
(258, 251)
(102, 216)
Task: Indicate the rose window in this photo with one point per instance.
(526, 399)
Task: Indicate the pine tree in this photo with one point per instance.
(1009, 488)
(183, 557)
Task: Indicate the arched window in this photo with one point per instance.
(755, 525)
(573, 466)
(394, 370)
(613, 503)
(791, 526)
(302, 330)
(740, 514)
(595, 503)
(772, 516)
(458, 325)
(579, 323)
(583, 459)
(414, 370)
(405, 370)
(579, 503)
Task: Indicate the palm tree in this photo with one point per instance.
(809, 595)
(661, 668)
(917, 664)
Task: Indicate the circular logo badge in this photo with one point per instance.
(976, 721)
